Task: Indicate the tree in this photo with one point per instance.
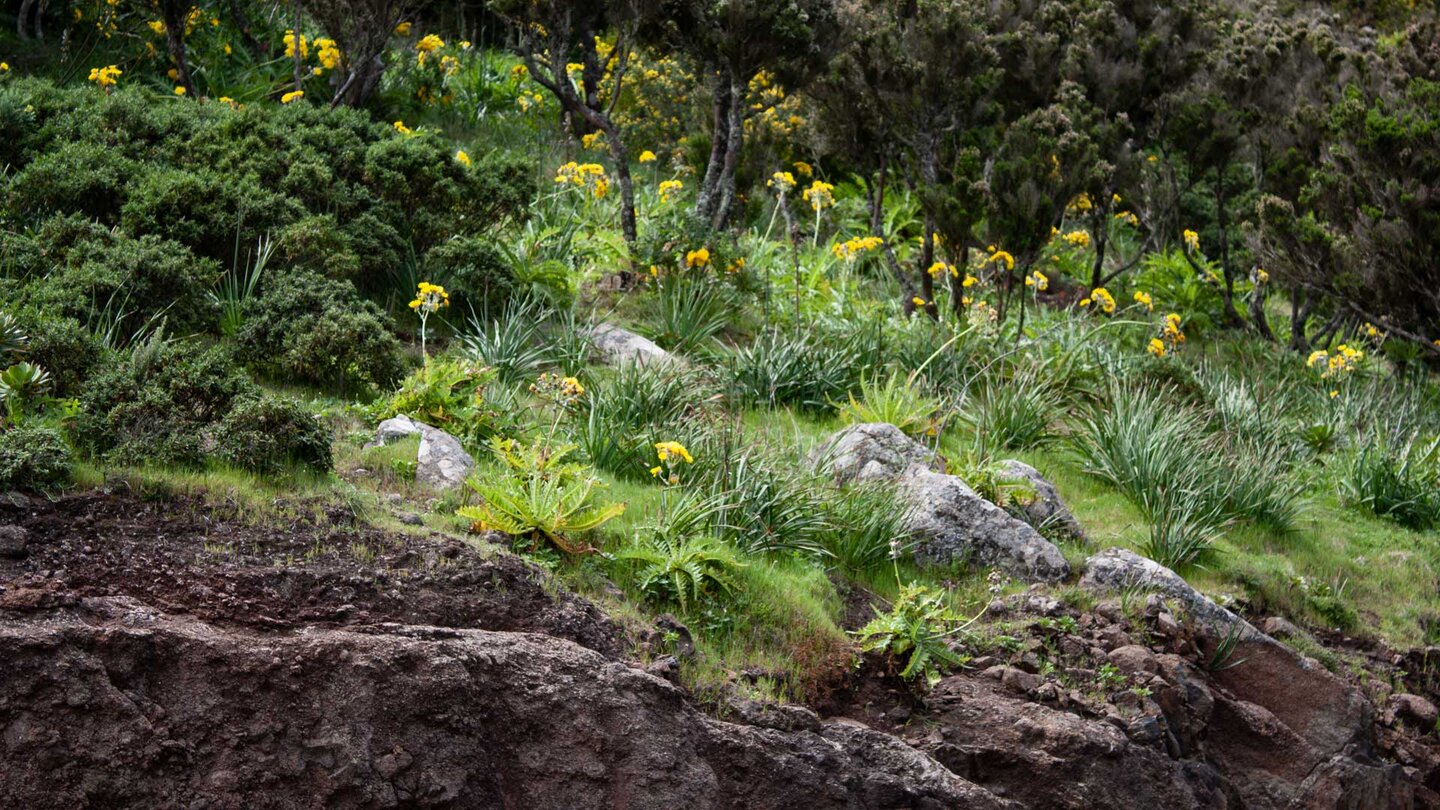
(731, 41)
(361, 29)
(550, 33)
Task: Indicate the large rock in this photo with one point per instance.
(1048, 759)
(1284, 731)
(616, 346)
(953, 524)
(1046, 511)
(873, 451)
(441, 462)
(114, 704)
(950, 521)
(1119, 569)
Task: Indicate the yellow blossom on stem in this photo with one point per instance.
(698, 258)
(294, 95)
(804, 168)
(1000, 257)
(782, 182)
(647, 156)
(668, 189)
(1078, 239)
(676, 450)
(1038, 280)
(105, 77)
(820, 195)
(1192, 239)
(461, 157)
(1156, 347)
(403, 29)
(1144, 299)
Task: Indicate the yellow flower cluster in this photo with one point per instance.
(461, 157)
(403, 29)
(294, 95)
(782, 182)
(1102, 299)
(1192, 239)
(1170, 336)
(1080, 203)
(553, 386)
(585, 176)
(1038, 280)
(668, 189)
(327, 53)
(645, 157)
(592, 140)
(1129, 218)
(669, 450)
(939, 269)
(805, 169)
(918, 301)
(698, 259)
(1144, 299)
(1338, 365)
(998, 256)
(771, 110)
(290, 42)
(105, 76)
(853, 247)
(402, 129)
(429, 43)
(1078, 239)
(820, 195)
(1259, 277)
(429, 298)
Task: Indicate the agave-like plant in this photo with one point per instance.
(539, 497)
(12, 337)
(22, 385)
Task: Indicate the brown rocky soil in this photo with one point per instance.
(172, 653)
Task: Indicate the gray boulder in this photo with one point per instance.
(616, 346)
(873, 451)
(1046, 510)
(1116, 569)
(441, 462)
(953, 523)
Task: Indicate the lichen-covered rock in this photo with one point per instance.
(1046, 511)
(117, 703)
(872, 451)
(954, 524)
(616, 346)
(441, 461)
(1118, 569)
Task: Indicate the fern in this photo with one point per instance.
(919, 625)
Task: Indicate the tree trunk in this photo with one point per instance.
(733, 140)
(1100, 232)
(299, 58)
(22, 18)
(175, 14)
(927, 258)
(621, 156)
(719, 132)
(1227, 286)
(957, 283)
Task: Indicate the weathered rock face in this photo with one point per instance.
(1283, 730)
(616, 346)
(951, 521)
(1048, 759)
(113, 704)
(441, 462)
(1047, 510)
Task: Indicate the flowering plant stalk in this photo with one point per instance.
(429, 298)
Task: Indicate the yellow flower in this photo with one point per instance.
(853, 247)
(655, 471)
(668, 188)
(939, 269)
(429, 297)
(1156, 347)
(1102, 298)
(327, 53)
(647, 156)
(4, 67)
(1080, 203)
(1145, 299)
(1038, 280)
(820, 195)
(1129, 218)
(519, 72)
(105, 77)
(1000, 256)
(157, 26)
(589, 141)
(179, 91)
(698, 258)
(461, 157)
(403, 29)
(1261, 277)
(571, 387)
(294, 95)
(970, 281)
(782, 182)
(402, 129)
(669, 450)
(289, 40)
(1371, 331)
(918, 301)
(804, 168)
(1316, 357)
(429, 43)
(1078, 239)
(464, 44)
(1192, 239)
(1334, 394)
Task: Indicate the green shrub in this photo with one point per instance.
(63, 347)
(691, 313)
(33, 458)
(475, 272)
(173, 403)
(779, 370)
(622, 416)
(551, 503)
(865, 529)
(304, 327)
(117, 284)
(1012, 414)
(266, 434)
(898, 401)
(448, 393)
(318, 243)
(204, 210)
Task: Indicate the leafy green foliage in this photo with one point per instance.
(553, 504)
(448, 393)
(898, 401)
(919, 625)
(33, 458)
(1399, 481)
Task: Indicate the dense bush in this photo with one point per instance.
(33, 458)
(63, 347)
(174, 403)
(305, 327)
(475, 272)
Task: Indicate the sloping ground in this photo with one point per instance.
(158, 656)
